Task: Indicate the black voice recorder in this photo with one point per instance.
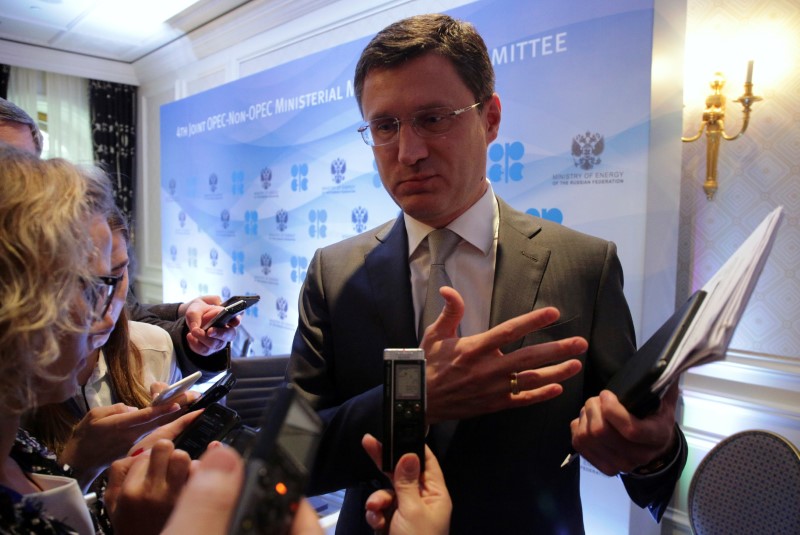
(277, 465)
(404, 404)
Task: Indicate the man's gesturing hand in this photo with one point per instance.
(470, 376)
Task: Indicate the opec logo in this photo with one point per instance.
(251, 222)
(338, 168)
(173, 253)
(237, 183)
(376, 178)
(299, 177)
(299, 267)
(551, 214)
(317, 228)
(252, 311)
(184, 285)
(182, 218)
(507, 167)
(238, 262)
(225, 218)
(171, 187)
(225, 293)
(214, 256)
(213, 182)
(359, 218)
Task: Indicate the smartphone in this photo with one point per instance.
(277, 465)
(213, 390)
(404, 404)
(231, 307)
(175, 389)
(215, 422)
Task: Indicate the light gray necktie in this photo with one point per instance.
(441, 243)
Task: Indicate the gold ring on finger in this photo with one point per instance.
(514, 384)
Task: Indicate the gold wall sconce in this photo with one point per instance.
(714, 124)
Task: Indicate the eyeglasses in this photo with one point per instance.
(101, 293)
(426, 123)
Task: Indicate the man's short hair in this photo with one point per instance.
(455, 40)
(11, 113)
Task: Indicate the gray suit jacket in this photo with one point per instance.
(502, 469)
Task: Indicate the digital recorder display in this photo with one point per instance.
(407, 382)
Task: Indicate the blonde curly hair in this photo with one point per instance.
(45, 210)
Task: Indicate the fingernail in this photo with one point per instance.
(409, 469)
(137, 452)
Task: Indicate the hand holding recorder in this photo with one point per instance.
(211, 494)
(404, 405)
(420, 502)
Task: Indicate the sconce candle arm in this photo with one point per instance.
(746, 100)
(695, 137)
(745, 122)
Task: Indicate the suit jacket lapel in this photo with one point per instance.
(390, 280)
(519, 268)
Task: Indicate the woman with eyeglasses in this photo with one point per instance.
(55, 251)
(54, 243)
(130, 362)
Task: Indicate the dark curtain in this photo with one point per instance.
(112, 109)
(4, 70)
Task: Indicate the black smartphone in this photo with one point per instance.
(215, 422)
(231, 308)
(404, 404)
(212, 390)
(277, 465)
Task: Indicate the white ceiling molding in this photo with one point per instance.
(60, 62)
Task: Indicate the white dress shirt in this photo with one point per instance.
(470, 267)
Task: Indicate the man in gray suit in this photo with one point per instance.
(535, 325)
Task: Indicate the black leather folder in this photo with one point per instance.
(633, 383)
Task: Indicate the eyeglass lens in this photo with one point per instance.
(426, 123)
(104, 294)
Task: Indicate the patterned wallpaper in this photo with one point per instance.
(756, 173)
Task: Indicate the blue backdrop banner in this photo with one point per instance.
(259, 173)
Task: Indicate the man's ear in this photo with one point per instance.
(492, 112)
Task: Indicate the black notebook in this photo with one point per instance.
(633, 383)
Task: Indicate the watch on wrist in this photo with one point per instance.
(659, 463)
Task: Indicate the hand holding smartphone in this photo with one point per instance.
(213, 424)
(231, 308)
(169, 394)
(212, 390)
